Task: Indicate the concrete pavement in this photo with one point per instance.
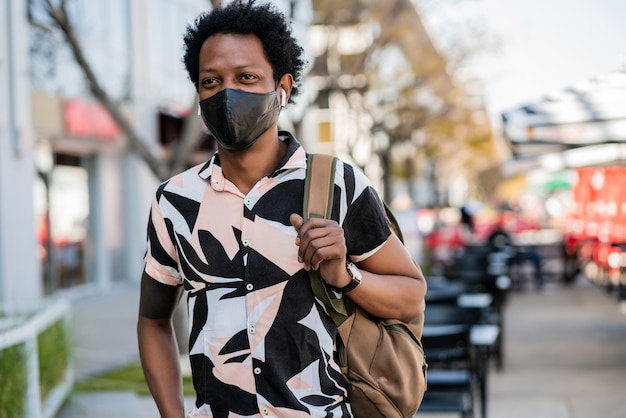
(105, 339)
(565, 353)
(566, 356)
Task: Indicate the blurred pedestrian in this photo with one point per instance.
(502, 241)
(229, 232)
(446, 241)
(468, 221)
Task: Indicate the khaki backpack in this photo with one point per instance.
(382, 360)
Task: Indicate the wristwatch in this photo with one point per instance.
(356, 278)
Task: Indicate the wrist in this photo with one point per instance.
(355, 279)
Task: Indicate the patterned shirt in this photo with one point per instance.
(259, 342)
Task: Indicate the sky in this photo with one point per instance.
(545, 45)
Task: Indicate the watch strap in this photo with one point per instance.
(350, 286)
(354, 282)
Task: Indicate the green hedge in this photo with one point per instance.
(13, 384)
(54, 353)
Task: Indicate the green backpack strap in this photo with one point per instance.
(319, 190)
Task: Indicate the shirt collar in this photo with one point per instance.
(295, 157)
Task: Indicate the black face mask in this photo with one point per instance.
(237, 118)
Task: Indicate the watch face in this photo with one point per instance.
(355, 272)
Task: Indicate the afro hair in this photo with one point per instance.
(247, 17)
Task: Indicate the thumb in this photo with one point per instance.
(296, 220)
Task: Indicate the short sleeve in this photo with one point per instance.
(161, 257)
(366, 226)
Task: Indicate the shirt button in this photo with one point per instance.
(265, 411)
(248, 201)
(257, 370)
(245, 242)
(249, 286)
(251, 330)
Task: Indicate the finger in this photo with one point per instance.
(309, 240)
(309, 233)
(314, 227)
(327, 247)
(297, 221)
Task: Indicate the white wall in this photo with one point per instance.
(20, 276)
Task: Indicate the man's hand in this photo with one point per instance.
(393, 285)
(322, 246)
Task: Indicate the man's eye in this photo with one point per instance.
(208, 81)
(248, 77)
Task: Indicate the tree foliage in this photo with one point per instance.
(416, 104)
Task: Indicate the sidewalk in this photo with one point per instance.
(565, 355)
(104, 330)
(104, 339)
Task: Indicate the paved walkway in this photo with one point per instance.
(104, 331)
(565, 355)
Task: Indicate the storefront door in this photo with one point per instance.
(62, 210)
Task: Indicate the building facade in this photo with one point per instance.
(75, 200)
(19, 274)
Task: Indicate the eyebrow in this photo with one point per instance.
(239, 67)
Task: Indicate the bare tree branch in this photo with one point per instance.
(191, 135)
(60, 17)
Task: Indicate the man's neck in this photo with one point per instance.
(245, 168)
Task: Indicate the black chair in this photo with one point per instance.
(447, 402)
(439, 318)
(444, 291)
(451, 370)
(442, 314)
(457, 292)
(482, 269)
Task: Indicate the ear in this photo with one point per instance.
(285, 84)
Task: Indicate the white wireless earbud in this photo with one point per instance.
(199, 112)
(283, 98)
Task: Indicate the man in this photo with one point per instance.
(230, 233)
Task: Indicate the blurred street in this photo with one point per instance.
(565, 355)
(472, 121)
